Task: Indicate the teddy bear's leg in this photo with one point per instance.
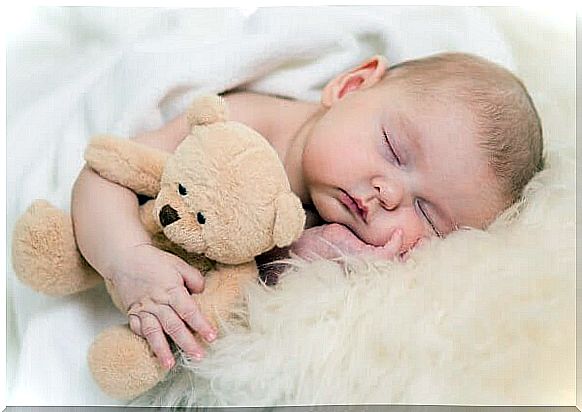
(223, 290)
(122, 363)
(45, 255)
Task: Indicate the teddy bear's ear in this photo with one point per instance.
(289, 219)
(206, 110)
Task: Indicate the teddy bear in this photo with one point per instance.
(221, 199)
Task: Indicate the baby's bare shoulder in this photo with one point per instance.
(247, 108)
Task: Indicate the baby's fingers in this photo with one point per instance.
(135, 324)
(391, 249)
(152, 331)
(193, 279)
(188, 310)
(177, 330)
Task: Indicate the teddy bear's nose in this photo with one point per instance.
(168, 215)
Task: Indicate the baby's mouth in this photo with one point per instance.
(354, 205)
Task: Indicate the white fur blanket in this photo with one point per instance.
(482, 317)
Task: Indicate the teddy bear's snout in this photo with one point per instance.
(168, 215)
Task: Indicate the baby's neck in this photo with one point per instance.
(288, 139)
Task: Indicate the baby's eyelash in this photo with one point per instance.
(434, 229)
(390, 147)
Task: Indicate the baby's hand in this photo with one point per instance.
(331, 240)
(155, 287)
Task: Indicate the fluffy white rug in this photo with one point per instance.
(479, 318)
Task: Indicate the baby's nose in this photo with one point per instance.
(168, 215)
(390, 195)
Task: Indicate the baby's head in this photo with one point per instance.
(428, 146)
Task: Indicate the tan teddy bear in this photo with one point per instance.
(220, 200)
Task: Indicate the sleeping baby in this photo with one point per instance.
(390, 157)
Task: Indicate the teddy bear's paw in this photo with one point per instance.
(45, 255)
(122, 363)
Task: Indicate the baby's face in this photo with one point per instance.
(383, 158)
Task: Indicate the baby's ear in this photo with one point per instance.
(289, 219)
(363, 76)
(207, 110)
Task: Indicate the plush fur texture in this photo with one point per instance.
(143, 168)
(108, 354)
(50, 249)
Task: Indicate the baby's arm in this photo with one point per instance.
(153, 285)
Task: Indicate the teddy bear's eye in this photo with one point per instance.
(200, 217)
(182, 190)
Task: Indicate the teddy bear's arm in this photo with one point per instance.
(128, 163)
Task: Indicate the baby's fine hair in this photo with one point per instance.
(508, 125)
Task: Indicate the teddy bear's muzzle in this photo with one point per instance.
(168, 215)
